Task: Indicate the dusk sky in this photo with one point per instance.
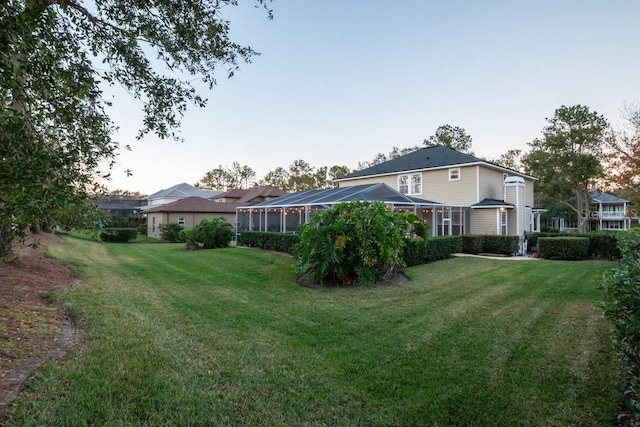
(339, 81)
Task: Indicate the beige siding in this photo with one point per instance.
(484, 221)
(491, 184)
(476, 183)
(528, 192)
(437, 187)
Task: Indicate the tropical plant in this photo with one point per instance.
(356, 242)
(171, 232)
(209, 234)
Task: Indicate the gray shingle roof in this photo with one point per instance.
(492, 203)
(181, 191)
(601, 197)
(425, 158)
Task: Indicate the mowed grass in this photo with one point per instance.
(227, 337)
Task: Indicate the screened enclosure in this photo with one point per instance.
(285, 214)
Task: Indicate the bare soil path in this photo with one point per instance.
(33, 330)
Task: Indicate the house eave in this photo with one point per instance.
(456, 165)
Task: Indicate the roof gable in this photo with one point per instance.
(434, 157)
(182, 191)
(195, 204)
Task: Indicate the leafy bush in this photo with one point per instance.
(621, 304)
(417, 251)
(281, 242)
(357, 242)
(142, 229)
(172, 232)
(532, 238)
(604, 245)
(472, 243)
(564, 248)
(209, 234)
(491, 244)
(120, 235)
(503, 245)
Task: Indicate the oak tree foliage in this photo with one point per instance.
(57, 58)
(568, 158)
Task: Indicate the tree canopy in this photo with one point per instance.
(567, 159)
(451, 136)
(57, 57)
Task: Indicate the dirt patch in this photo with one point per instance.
(33, 330)
(307, 281)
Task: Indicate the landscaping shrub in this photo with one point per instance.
(357, 242)
(116, 234)
(281, 242)
(503, 245)
(604, 245)
(418, 251)
(472, 243)
(564, 248)
(142, 229)
(209, 234)
(491, 244)
(621, 304)
(172, 232)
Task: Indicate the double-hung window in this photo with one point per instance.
(454, 174)
(410, 183)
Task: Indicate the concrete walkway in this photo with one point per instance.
(506, 258)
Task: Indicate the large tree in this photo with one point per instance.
(567, 159)
(451, 136)
(57, 57)
(623, 157)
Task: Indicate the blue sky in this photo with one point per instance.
(339, 81)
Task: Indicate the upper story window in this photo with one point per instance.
(410, 183)
(454, 174)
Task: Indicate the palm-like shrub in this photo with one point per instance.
(171, 232)
(357, 242)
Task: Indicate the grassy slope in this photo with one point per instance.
(226, 337)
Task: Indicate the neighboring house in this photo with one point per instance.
(607, 212)
(121, 210)
(250, 195)
(485, 198)
(177, 192)
(189, 211)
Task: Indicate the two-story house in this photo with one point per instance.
(454, 193)
(485, 198)
(607, 212)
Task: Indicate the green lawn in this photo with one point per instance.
(226, 337)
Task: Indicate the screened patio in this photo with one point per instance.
(285, 214)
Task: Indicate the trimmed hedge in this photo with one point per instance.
(118, 234)
(281, 242)
(416, 252)
(564, 248)
(472, 243)
(602, 245)
(490, 244)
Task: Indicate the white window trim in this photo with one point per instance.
(454, 171)
(182, 221)
(410, 184)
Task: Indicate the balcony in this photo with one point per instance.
(619, 215)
